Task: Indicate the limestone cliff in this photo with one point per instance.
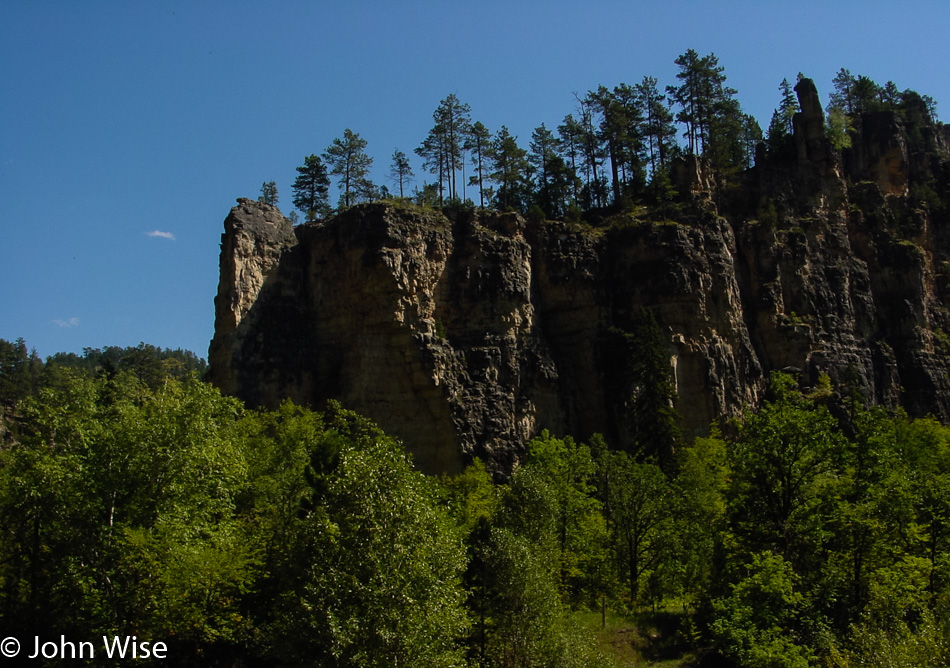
(466, 336)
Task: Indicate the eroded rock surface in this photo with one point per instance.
(466, 337)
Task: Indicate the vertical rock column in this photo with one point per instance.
(255, 236)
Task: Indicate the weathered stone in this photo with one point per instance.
(466, 337)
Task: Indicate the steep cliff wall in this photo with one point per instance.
(467, 336)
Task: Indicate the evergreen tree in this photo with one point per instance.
(693, 96)
(788, 107)
(553, 181)
(646, 391)
(620, 134)
(570, 134)
(656, 422)
(780, 125)
(434, 154)
(702, 97)
(866, 95)
(750, 136)
(454, 117)
(311, 188)
(478, 141)
(715, 123)
(592, 151)
(400, 171)
(19, 371)
(842, 94)
(658, 130)
(443, 148)
(348, 160)
(510, 171)
(268, 193)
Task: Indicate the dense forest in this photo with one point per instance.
(135, 499)
(814, 530)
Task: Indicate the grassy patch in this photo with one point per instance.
(647, 639)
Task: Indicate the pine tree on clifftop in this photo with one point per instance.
(311, 188)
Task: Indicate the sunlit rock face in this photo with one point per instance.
(466, 336)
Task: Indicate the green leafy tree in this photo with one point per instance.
(379, 561)
(311, 188)
(754, 624)
(638, 501)
(118, 513)
(348, 160)
(526, 622)
(569, 472)
(838, 127)
(783, 465)
(701, 486)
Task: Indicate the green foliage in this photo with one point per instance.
(839, 128)
(752, 624)
(640, 501)
(783, 466)
(701, 487)
(442, 148)
(20, 371)
(312, 188)
(117, 504)
(172, 514)
(768, 215)
(400, 171)
(812, 531)
(926, 645)
(23, 373)
(348, 160)
(510, 171)
(646, 390)
(268, 193)
(400, 601)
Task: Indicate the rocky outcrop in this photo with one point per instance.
(254, 238)
(467, 336)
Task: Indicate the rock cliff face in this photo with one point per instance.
(467, 336)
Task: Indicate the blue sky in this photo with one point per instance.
(128, 129)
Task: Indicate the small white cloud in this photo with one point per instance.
(159, 233)
(72, 322)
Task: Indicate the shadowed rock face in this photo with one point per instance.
(466, 337)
